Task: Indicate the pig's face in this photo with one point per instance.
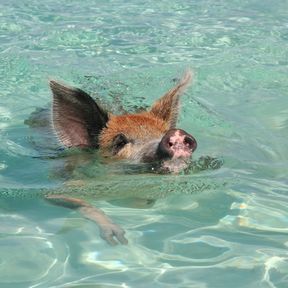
(149, 137)
(145, 138)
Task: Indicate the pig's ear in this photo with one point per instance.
(77, 119)
(167, 107)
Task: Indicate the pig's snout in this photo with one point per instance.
(176, 143)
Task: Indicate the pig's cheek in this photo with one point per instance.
(126, 152)
(148, 152)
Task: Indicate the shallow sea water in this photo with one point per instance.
(224, 227)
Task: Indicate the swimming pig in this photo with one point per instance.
(150, 137)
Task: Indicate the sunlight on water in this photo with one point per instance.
(223, 221)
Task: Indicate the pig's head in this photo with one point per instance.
(149, 137)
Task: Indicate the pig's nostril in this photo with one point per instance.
(190, 142)
(170, 144)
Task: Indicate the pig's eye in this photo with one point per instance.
(118, 143)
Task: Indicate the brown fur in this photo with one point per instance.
(140, 127)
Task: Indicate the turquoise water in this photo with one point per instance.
(225, 227)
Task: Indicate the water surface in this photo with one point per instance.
(213, 228)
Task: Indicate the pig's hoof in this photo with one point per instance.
(111, 233)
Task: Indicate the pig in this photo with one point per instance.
(146, 137)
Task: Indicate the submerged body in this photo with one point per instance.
(148, 137)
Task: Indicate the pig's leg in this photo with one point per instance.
(108, 230)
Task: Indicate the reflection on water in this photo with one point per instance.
(223, 221)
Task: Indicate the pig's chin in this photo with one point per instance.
(174, 165)
(149, 154)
